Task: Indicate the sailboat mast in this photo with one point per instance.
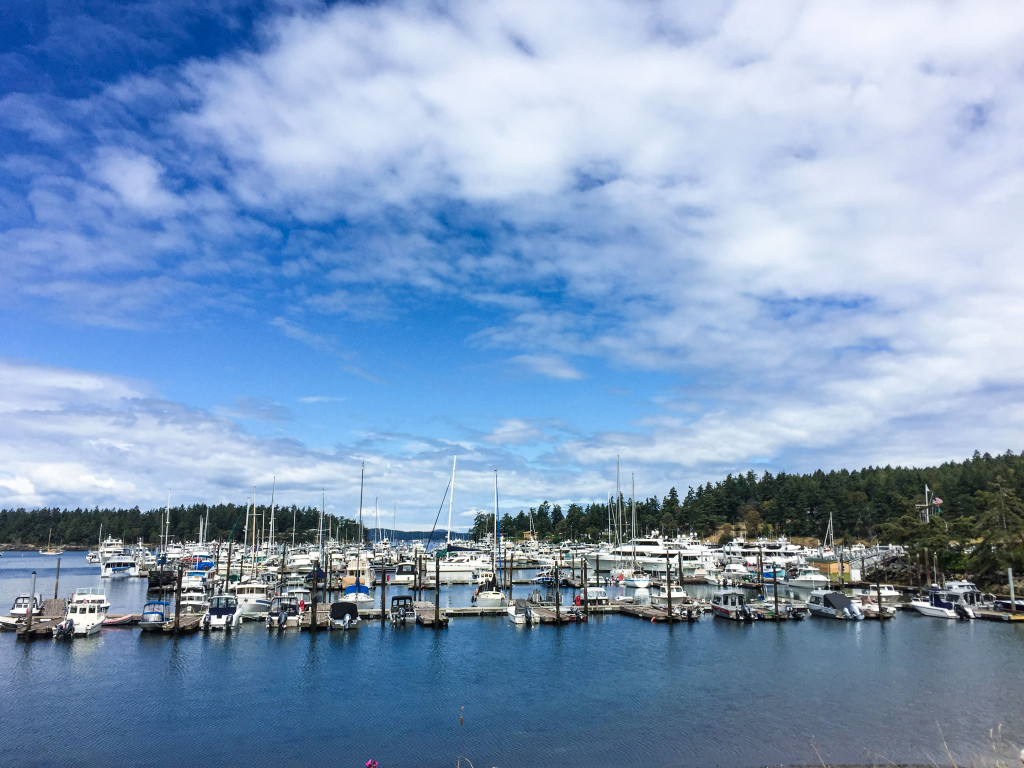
(451, 500)
(497, 528)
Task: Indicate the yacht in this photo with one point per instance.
(828, 604)
(85, 613)
(807, 577)
(119, 567)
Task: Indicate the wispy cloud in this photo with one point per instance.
(784, 236)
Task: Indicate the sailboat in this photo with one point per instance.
(636, 578)
(358, 589)
(50, 550)
(494, 597)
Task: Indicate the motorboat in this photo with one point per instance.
(520, 612)
(403, 610)
(119, 567)
(874, 610)
(253, 598)
(807, 577)
(343, 614)
(404, 575)
(731, 603)
(675, 592)
(884, 593)
(594, 596)
(193, 602)
(156, 614)
(223, 612)
(85, 613)
(944, 604)
(489, 598)
(25, 604)
(283, 611)
(830, 604)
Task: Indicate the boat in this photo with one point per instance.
(156, 614)
(492, 596)
(731, 603)
(807, 577)
(119, 567)
(829, 604)
(85, 613)
(343, 614)
(890, 596)
(283, 612)
(660, 597)
(403, 610)
(51, 550)
(26, 603)
(193, 602)
(520, 612)
(223, 613)
(594, 596)
(404, 575)
(253, 598)
(943, 604)
(873, 610)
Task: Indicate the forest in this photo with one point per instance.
(977, 519)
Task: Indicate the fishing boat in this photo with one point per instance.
(343, 614)
(731, 603)
(223, 612)
(829, 604)
(85, 613)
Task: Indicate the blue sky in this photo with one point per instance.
(249, 241)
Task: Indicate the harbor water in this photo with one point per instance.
(614, 691)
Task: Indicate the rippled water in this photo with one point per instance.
(614, 692)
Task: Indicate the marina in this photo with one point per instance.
(556, 689)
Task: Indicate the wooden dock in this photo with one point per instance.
(989, 615)
(658, 615)
(425, 615)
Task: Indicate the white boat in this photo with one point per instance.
(51, 550)
(731, 603)
(223, 612)
(85, 613)
(943, 604)
(829, 604)
(283, 612)
(520, 612)
(404, 576)
(890, 596)
(253, 598)
(872, 609)
(660, 597)
(492, 596)
(119, 567)
(25, 604)
(193, 602)
(807, 577)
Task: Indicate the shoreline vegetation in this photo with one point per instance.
(974, 525)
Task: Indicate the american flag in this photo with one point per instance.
(936, 500)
